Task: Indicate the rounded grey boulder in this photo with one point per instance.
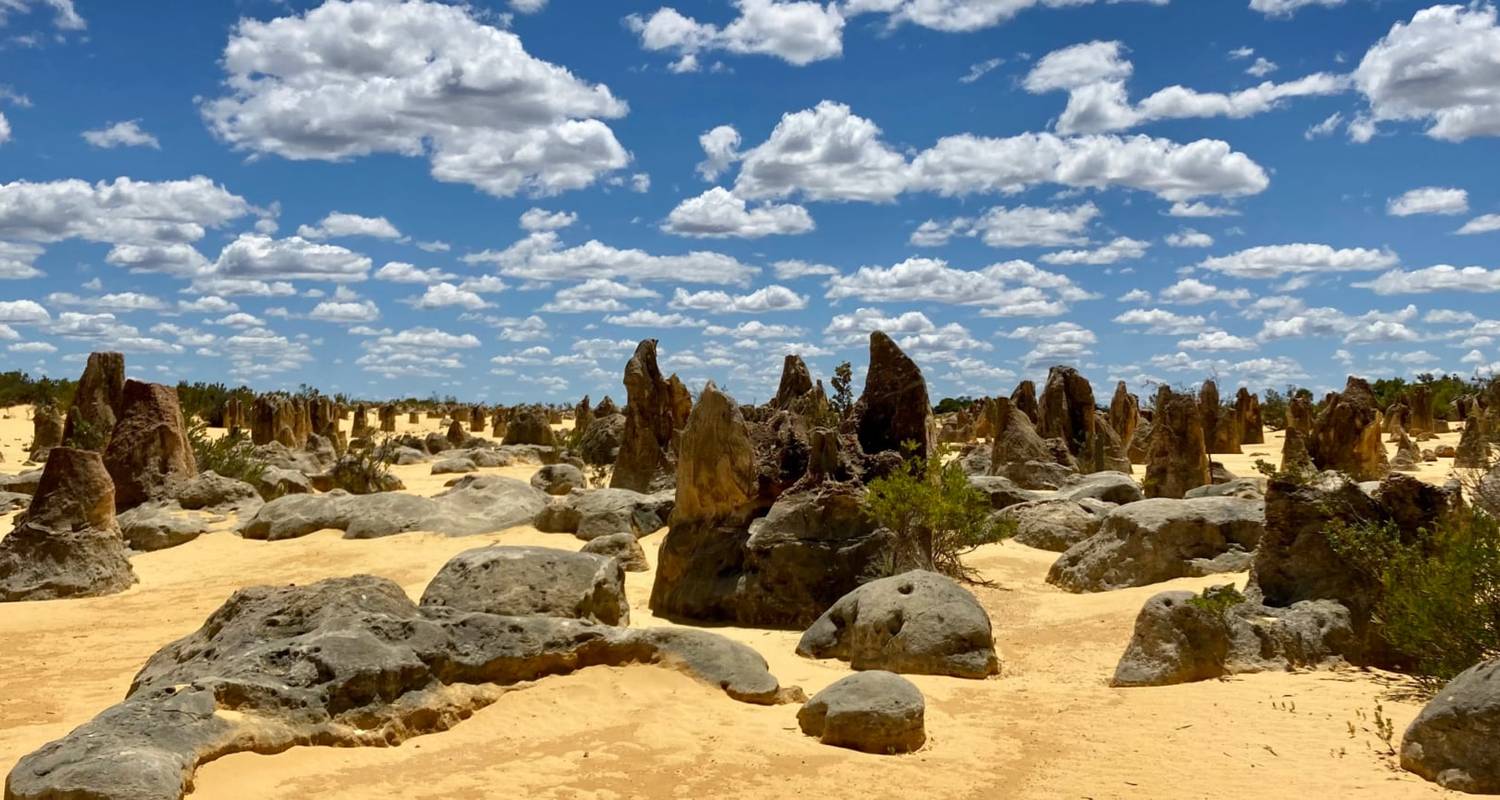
(622, 546)
(532, 581)
(559, 479)
(873, 712)
(1453, 742)
(918, 622)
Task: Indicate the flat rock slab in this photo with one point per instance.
(527, 581)
(341, 662)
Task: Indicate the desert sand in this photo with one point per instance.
(1048, 727)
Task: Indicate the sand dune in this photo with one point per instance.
(1047, 727)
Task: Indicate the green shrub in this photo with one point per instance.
(365, 470)
(1217, 600)
(87, 435)
(231, 455)
(937, 516)
(1440, 598)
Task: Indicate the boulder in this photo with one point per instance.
(68, 544)
(1003, 492)
(342, 662)
(873, 712)
(1161, 539)
(1110, 487)
(590, 514)
(1178, 458)
(454, 466)
(600, 443)
(623, 547)
(559, 479)
(917, 622)
(1055, 524)
(1453, 741)
(1179, 638)
(148, 453)
(157, 526)
(532, 581)
(210, 491)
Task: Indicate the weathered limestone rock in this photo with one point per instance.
(148, 453)
(646, 461)
(1299, 414)
(559, 479)
(1024, 399)
(1178, 457)
(873, 712)
(917, 622)
(1346, 434)
(1453, 742)
(1178, 640)
(46, 430)
(532, 581)
(894, 408)
(1248, 417)
(1419, 400)
(1124, 415)
(1161, 539)
(96, 402)
(1221, 433)
(528, 425)
(456, 435)
(68, 543)
(623, 547)
(357, 664)
(1067, 410)
(796, 383)
(1055, 524)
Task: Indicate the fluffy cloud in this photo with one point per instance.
(1094, 76)
(1059, 342)
(1440, 278)
(121, 134)
(829, 153)
(537, 219)
(1428, 200)
(912, 330)
(1217, 340)
(1487, 223)
(770, 298)
(256, 257)
(1187, 237)
(1022, 226)
(1161, 321)
(422, 79)
(644, 318)
(64, 16)
(1191, 291)
(1275, 261)
(1286, 8)
(338, 225)
(1012, 288)
(402, 272)
(1122, 248)
(446, 295)
(345, 312)
(1440, 68)
(28, 312)
(118, 211)
(597, 294)
(540, 257)
(797, 31)
(792, 269)
(718, 214)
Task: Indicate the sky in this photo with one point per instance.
(496, 200)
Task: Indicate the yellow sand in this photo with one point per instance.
(1048, 727)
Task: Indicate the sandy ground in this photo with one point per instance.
(1048, 727)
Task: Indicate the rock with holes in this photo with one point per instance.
(342, 662)
(529, 581)
(917, 622)
(873, 712)
(1455, 741)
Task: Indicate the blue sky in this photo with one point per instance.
(497, 199)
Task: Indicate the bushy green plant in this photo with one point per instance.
(365, 470)
(1440, 589)
(843, 389)
(937, 516)
(87, 435)
(1217, 600)
(232, 455)
(18, 387)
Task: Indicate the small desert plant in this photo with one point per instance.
(1440, 590)
(937, 516)
(1217, 600)
(231, 455)
(364, 470)
(843, 389)
(87, 435)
